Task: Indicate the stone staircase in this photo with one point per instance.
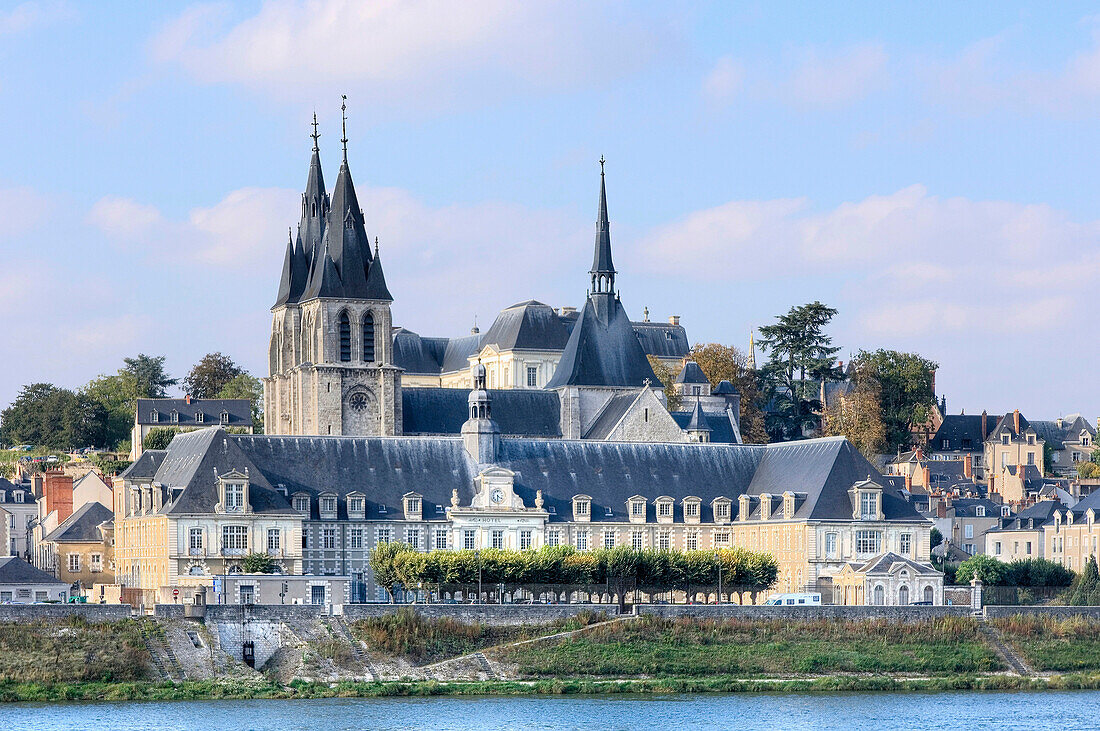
(1014, 661)
(154, 655)
(340, 627)
(485, 666)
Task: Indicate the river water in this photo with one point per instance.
(877, 711)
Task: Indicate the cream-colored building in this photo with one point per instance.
(1013, 442)
(84, 547)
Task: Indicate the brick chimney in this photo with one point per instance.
(187, 399)
(1016, 421)
(985, 419)
(968, 466)
(57, 489)
(909, 481)
(927, 475)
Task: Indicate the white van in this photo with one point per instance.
(793, 600)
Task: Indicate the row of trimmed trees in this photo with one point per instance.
(615, 571)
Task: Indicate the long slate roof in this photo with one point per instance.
(443, 411)
(239, 409)
(83, 525)
(959, 427)
(14, 570)
(1056, 436)
(820, 471)
(529, 325)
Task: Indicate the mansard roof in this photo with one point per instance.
(957, 428)
(603, 349)
(1070, 430)
(443, 411)
(529, 325)
(83, 525)
(146, 466)
(662, 339)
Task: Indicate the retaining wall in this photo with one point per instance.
(90, 612)
(257, 612)
(494, 614)
(993, 611)
(737, 611)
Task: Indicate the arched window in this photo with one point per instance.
(880, 596)
(368, 337)
(345, 337)
(928, 594)
(903, 595)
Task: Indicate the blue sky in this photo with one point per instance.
(929, 170)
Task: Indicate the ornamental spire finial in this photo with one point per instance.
(315, 134)
(344, 124)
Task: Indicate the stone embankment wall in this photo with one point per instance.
(257, 612)
(90, 612)
(494, 614)
(995, 611)
(736, 611)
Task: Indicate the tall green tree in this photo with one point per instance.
(857, 415)
(116, 397)
(48, 416)
(210, 375)
(800, 357)
(906, 391)
(246, 386)
(146, 376)
(727, 363)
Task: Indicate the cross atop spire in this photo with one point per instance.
(344, 124)
(315, 134)
(601, 165)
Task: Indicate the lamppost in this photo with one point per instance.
(477, 557)
(718, 556)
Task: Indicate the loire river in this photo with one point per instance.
(877, 711)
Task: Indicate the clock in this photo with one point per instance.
(497, 496)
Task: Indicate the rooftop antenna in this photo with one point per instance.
(344, 124)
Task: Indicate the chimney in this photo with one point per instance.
(985, 431)
(1016, 421)
(968, 466)
(187, 399)
(674, 320)
(1058, 421)
(926, 474)
(57, 489)
(909, 482)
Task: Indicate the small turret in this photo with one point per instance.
(480, 433)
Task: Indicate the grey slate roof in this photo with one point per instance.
(691, 373)
(968, 507)
(443, 411)
(887, 561)
(960, 428)
(146, 466)
(725, 388)
(14, 570)
(83, 525)
(1070, 431)
(601, 256)
(698, 422)
(603, 349)
(721, 429)
(662, 339)
(529, 325)
(613, 412)
(239, 410)
(9, 489)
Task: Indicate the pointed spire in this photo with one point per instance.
(752, 352)
(286, 279)
(376, 279)
(315, 202)
(698, 422)
(324, 280)
(603, 269)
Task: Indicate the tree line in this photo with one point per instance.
(618, 571)
(101, 413)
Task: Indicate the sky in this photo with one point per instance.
(927, 169)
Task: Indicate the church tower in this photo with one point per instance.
(331, 356)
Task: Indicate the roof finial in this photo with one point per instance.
(602, 161)
(344, 124)
(375, 247)
(315, 134)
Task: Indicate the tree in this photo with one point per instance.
(857, 415)
(159, 437)
(210, 375)
(800, 357)
(1087, 584)
(118, 401)
(383, 562)
(906, 391)
(245, 386)
(52, 417)
(986, 569)
(145, 376)
(258, 563)
(666, 377)
(1087, 470)
(935, 538)
(726, 363)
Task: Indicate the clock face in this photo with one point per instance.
(497, 496)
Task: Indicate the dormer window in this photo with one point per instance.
(232, 493)
(199, 416)
(979, 511)
(357, 506)
(582, 508)
(744, 507)
(868, 505)
(1005, 511)
(664, 510)
(413, 509)
(154, 416)
(175, 416)
(1086, 440)
(3, 496)
(692, 509)
(1031, 439)
(225, 417)
(301, 503)
(637, 509)
(328, 506)
(721, 508)
(765, 506)
(788, 505)
(1005, 439)
(18, 495)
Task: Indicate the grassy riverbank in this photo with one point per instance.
(71, 649)
(1052, 644)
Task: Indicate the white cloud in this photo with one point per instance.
(31, 14)
(724, 81)
(123, 218)
(21, 210)
(416, 52)
(838, 78)
(909, 262)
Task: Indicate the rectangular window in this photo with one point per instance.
(328, 504)
(497, 538)
(996, 548)
(383, 535)
(721, 539)
(868, 505)
(637, 540)
(1076, 457)
(553, 537)
(722, 511)
(609, 539)
(74, 563)
(355, 538)
(441, 539)
(412, 506)
(581, 506)
(95, 562)
(830, 545)
(532, 376)
(328, 539)
(412, 537)
(356, 505)
(524, 540)
(301, 503)
(664, 541)
(1004, 439)
(1031, 457)
(1030, 439)
(41, 596)
(235, 539)
(234, 497)
(969, 548)
(469, 540)
(968, 531)
(868, 541)
(664, 509)
(1029, 548)
(194, 543)
(582, 540)
(691, 509)
(692, 541)
(637, 509)
(906, 543)
(274, 540)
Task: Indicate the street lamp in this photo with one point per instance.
(718, 556)
(477, 557)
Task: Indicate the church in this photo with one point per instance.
(338, 366)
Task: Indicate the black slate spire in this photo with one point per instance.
(285, 281)
(324, 280)
(345, 231)
(603, 269)
(315, 202)
(376, 280)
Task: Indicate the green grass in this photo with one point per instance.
(1071, 644)
(71, 650)
(683, 648)
(420, 639)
